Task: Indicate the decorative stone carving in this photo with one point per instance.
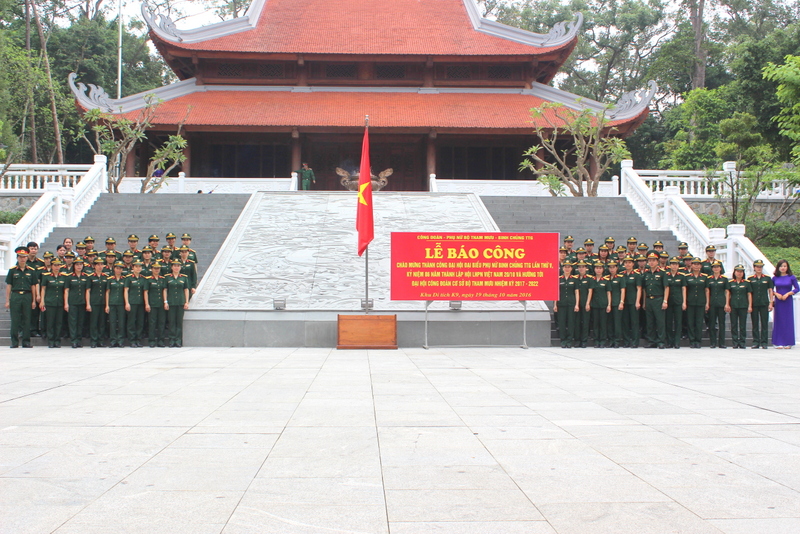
(563, 31)
(162, 22)
(97, 97)
(634, 102)
(350, 181)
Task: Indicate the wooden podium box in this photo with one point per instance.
(367, 332)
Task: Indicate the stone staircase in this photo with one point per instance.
(580, 217)
(208, 218)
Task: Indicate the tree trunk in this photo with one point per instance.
(31, 100)
(53, 109)
(696, 9)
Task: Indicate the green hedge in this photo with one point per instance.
(790, 254)
(10, 217)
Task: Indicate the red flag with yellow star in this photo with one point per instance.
(364, 224)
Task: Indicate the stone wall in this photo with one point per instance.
(767, 207)
(18, 201)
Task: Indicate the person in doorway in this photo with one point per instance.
(306, 177)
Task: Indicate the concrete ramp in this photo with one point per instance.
(301, 248)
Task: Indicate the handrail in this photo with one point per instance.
(58, 206)
(667, 210)
(34, 177)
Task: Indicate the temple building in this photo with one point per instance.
(447, 91)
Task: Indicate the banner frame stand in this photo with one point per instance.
(524, 345)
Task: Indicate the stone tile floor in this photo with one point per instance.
(412, 441)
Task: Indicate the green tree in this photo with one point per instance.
(577, 147)
(787, 76)
(695, 126)
(617, 41)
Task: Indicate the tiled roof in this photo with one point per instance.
(399, 27)
(501, 111)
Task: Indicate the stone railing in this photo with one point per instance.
(29, 177)
(665, 209)
(510, 188)
(184, 184)
(705, 185)
(58, 206)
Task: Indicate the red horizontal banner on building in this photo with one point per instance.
(480, 266)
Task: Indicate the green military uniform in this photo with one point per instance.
(115, 297)
(717, 300)
(176, 298)
(135, 287)
(600, 302)
(38, 265)
(77, 285)
(695, 307)
(630, 315)
(53, 286)
(97, 300)
(654, 284)
(565, 317)
(186, 239)
(674, 315)
(306, 176)
(760, 287)
(189, 268)
(157, 319)
(22, 284)
(740, 302)
(616, 284)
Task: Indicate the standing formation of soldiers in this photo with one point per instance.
(109, 297)
(631, 292)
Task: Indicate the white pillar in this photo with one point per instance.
(734, 232)
(670, 193)
(7, 232)
(181, 182)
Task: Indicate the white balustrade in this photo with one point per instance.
(29, 177)
(192, 185)
(58, 206)
(511, 188)
(664, 208)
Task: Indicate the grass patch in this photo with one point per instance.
(10, 217)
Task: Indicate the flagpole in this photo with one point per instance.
(366, 250)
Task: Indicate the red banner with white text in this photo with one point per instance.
(474, 266)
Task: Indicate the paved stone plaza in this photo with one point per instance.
(412, 441)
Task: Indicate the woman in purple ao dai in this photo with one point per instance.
(783, 318)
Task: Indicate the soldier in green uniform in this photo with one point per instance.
(656, 297)
(52, 302)
(566, 306)
(177, 300)
(152, 242)
(154, 306)
(133, 243)
(641, 265)
(22, 294)
(166, 256)
(127, 262)
(170, 237)
(600, 304)
(306, 175)
(115, 306)
(75, 302)
(186, 241)
(633, 302)
(111, 246)
(562, 258)
(617, 286)
(69, 259)
(762, 288)
(610, 242)
(696, 302)
(683, 250)
(80, 250)
(620, 252)
(582, 317)
(111, 259)
(569, 241)
(588, 246)
(97, 300)
(189, 268)
(741, 304)
(711, 253)
(147, 260)
(89, 241)
(676, 280)
(631, 244)
(134, 304)
(641, 250)
(37, 264)
(719, 303)
(603, 256)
